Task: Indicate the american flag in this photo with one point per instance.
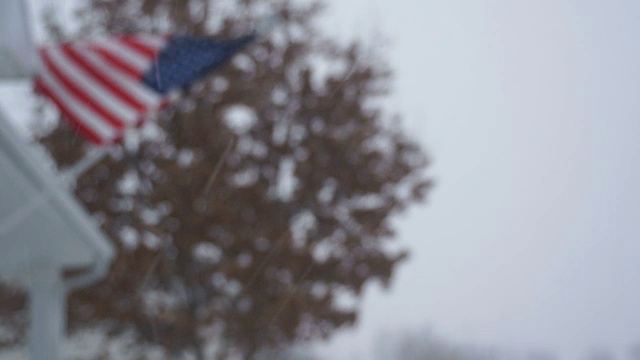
(106, 86)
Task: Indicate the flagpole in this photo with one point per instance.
(94, 156)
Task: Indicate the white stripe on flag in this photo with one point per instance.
(94, 122)
(96, 91)
(154, 41)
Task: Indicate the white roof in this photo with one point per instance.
(57, 232)
(18, 56)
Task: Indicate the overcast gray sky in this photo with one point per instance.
(530, 112)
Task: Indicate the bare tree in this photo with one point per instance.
(600, 354)
(425, 345)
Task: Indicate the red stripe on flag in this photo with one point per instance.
(106, 81)
(77, 123)
(117, 62)
(139, 47)
(80, 94)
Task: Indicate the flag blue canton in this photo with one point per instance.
(185, 59)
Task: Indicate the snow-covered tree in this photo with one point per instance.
(245, 213)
